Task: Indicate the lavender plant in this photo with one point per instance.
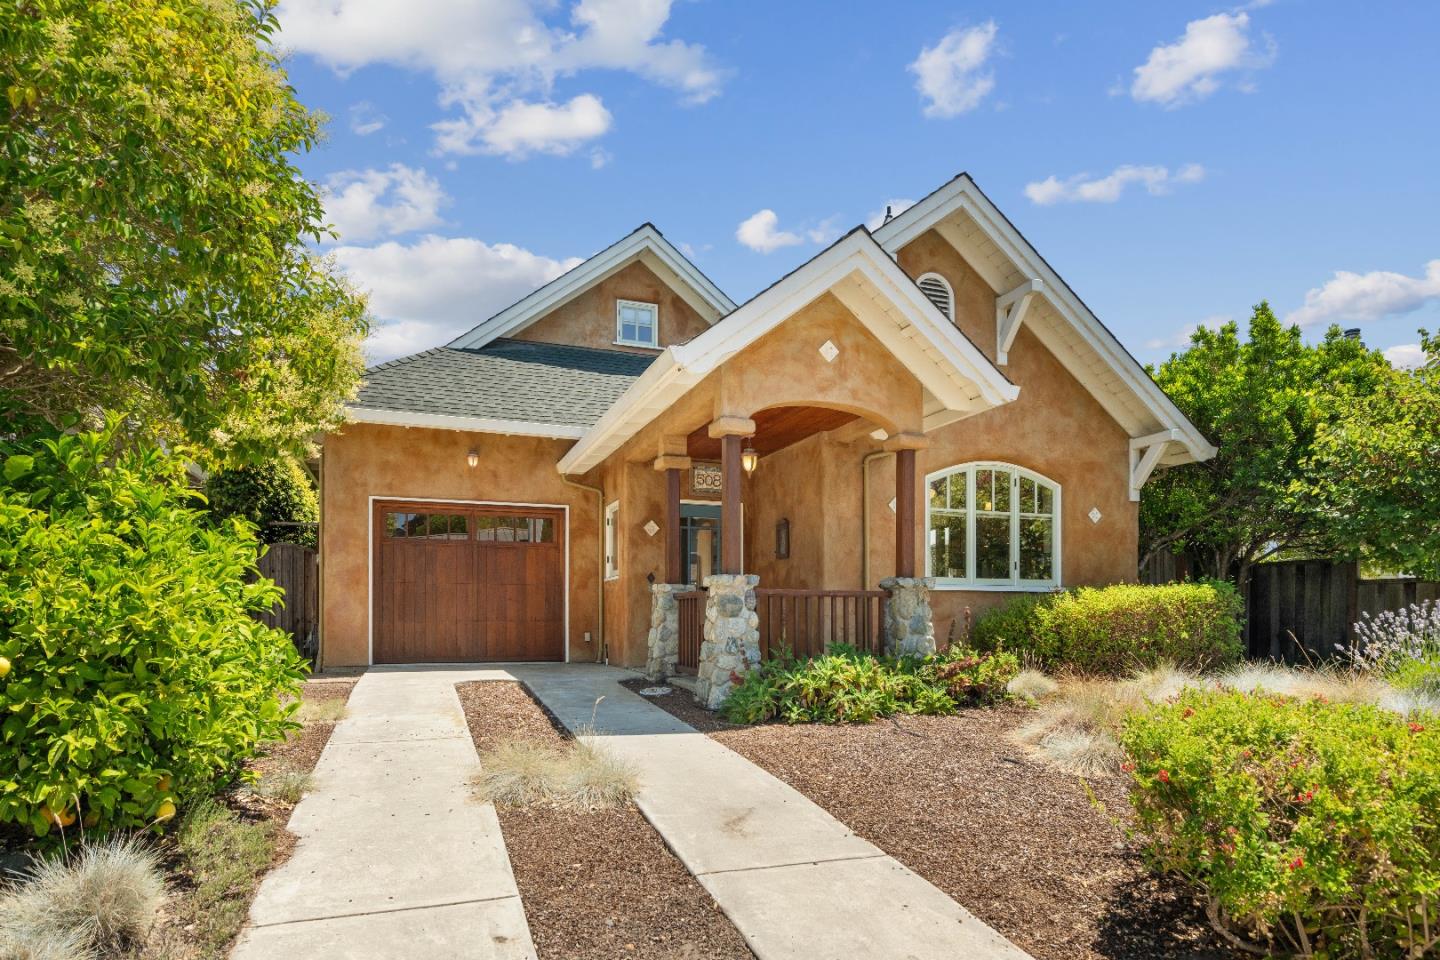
(1395, 640)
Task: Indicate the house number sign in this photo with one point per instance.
(705, 478)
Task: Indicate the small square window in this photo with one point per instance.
(636, 324)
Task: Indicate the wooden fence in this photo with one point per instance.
(296, 570)
(1303, 609)
(803, 623)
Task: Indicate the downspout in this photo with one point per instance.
(865, 514)
(601, 654)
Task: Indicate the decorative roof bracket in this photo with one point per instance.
(1010, 311)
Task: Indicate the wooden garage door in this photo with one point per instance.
(455, 583)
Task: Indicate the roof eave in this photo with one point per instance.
(438, 421)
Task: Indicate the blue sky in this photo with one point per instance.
(1175, 162)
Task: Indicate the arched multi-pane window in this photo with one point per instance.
(937, 289)
(992, 525)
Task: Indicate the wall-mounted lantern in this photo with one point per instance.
(473, 458)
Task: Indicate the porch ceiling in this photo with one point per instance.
(775, 429)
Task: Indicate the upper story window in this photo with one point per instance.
(637, 324)
(938, 290)
(992, 526)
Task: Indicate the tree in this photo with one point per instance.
(153, 228)
(1263, 402)
(276, 496)
(1374, 475)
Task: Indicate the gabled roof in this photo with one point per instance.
(961, 213)
(647, 245)
(507, 386)
(957, 377)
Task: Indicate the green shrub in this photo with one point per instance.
(1014, 625)
(1309, 824)
(1115, 630)
(136, 675)
(846, 686)
(273, 495)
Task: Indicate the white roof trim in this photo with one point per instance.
(409, 418)
(962, 193)
(956, 374)
(646, 244)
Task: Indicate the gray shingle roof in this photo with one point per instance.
(505, 380)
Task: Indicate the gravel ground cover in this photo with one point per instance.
(595, 884)
(1029, 851)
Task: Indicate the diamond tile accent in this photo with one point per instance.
(829, 351)
(892, 504)
(1094, 514)
(651, 527)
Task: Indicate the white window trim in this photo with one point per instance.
(612, 541)
(655, 327)
(1013, 584)
(949, 292)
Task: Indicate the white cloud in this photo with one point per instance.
(826, 231)
(759, 232)
(365, 119)
(519, 129)
(876, 218)
(498, 60)
(1367, 297)
(1191, 68)
(1406, 355)
(1082, 188)
(1180, 339)
(365, 204)
(950, 74)
(425, 293)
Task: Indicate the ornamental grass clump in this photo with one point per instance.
(1309, 825)
(847, 686)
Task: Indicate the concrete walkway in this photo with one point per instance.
(395, 859)
(794, 880)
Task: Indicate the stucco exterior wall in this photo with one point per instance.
(589, 319)
(371, 460)
(1055, 428)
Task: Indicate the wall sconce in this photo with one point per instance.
(749, 459)
(473, 458)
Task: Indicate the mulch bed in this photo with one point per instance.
(1022, 847)
(597, 884)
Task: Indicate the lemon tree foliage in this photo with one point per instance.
(1263, 401)
(137, 676)
(152, 228)
(1375, 473)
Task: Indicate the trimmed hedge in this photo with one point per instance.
(1115, 630)
(1309, 825)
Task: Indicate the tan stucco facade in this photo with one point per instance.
(589, 319)
(1055, 428)
(365, 461)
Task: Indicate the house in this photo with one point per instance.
(915, 423)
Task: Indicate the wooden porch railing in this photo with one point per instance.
(805, 622)
(691, 609)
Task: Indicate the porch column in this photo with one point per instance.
(730, 431)
(905, 445)
(672, 466)
(909, 625)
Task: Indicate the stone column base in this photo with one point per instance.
(662, 646)
(909, 625)
(731, 647)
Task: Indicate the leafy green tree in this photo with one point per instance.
(276, 496)
(153, 228)
(1262, 401)
(1374, 475)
